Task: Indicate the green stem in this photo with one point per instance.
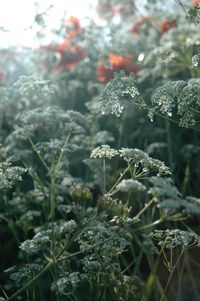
(62, 152)
(146, 206)
(32, 281)
(38, 154)
(171, 274)
(104, 175)
(169, 143)
(119, 179)
(50, 264)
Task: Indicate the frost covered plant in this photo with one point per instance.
(104, 151)
(39, 242)
(175, 238)
(9, 175)
(128, 185)
(67, 284)
(170, 199)
(54, 119)
(118, 93)
(139, 164)
(196, 60)
(181, 98)
(21, 275)
(163, 188)
(33, 86)
(138, 157)
(42, 240)
(102, 260)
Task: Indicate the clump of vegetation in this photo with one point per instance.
(99, 161)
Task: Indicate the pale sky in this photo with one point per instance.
(17, 15)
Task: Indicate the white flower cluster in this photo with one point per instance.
(104, 151)
(139, 157)
(117, 109)
(128, 185)
(118, 94)
(180, 98)
(175, 237)
(196, 60)
(32, 85)
(9, 175)
(134, 156)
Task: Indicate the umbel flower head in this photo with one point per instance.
(138, 157)
(9, 175)
(127, 185)
(132, 156)
(104, 151)
(118, 94)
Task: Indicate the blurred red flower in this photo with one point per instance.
(117, 62)
(166, 25)
(70, 55)
(138, 25)
(73, 27)
(196, 3)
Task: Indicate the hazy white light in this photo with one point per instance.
(17, 17)
(141, 57)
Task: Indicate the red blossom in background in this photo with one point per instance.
(117, 62)
(136, 27)
(69, 55)
(196, 3)
(73, 27)
(166, 25)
